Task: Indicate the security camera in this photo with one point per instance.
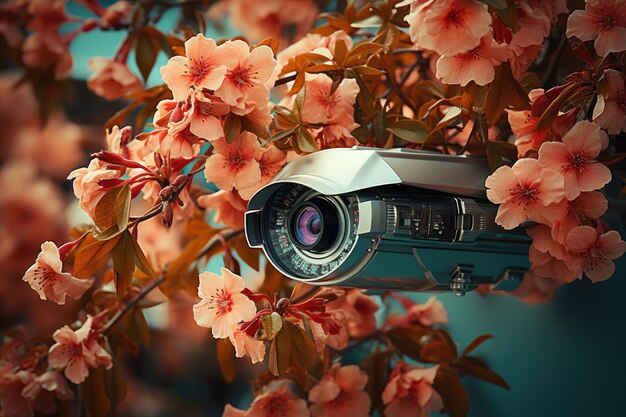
(379, 219)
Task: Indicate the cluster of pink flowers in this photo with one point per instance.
(341, 390)
(46, 48)
(76, 351)
(558, 192)
(484, 41)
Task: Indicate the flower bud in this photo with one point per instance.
(282, 305)
(180, 181)
(166, 193)
(167, 215)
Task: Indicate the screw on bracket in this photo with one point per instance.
(462, 280)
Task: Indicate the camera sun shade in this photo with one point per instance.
(386, 219)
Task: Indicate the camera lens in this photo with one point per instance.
(314, 225)
(307, 226)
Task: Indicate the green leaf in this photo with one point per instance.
(123, 263)
(283, 134)
(410, 130)
(305, 141)
(141, 261)
(272, 323)
(478, 369)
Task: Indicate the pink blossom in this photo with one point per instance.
(228, 205)
(359, 310)
(77, 351)
(433, 24)
(111, 79)
(235, 164)
(602, 21)
(477, 64)
(429, 313)
(160, 244)
(248, 80)
(595, 251)
(313, 43)
(610, 110)
(47, 51)
(56, 147)
(523, 191)
(48, 280)
(286, 20)
(524, 125)
(203, 66)
(336, 337)
(222, 305)
(585, 208)
(47, 15)
(22, 393)
(86, 183)
(341, 392)
(575, 158)
(247, 345)
(545, 265)
(116, 14)
(535, 289)
(206, 116)
(410, 392)
(322, 106)
(279, 402)
(272, 160)
(117, 139)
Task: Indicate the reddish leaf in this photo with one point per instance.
(478, 369)
(475, 343)
(448, 384)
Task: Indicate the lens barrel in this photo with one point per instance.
(314, 225)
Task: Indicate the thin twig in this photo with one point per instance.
(285, 80)
(132, 302)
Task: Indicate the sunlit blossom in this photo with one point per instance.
(433, 24)
(222, 305)
(235, 165)
(248, 80)
(247, 345)
(228, 205)
(477, 64)
(203, 66)
(575, 158)
(523, 191)
(48, 280)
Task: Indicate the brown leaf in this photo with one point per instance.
(478, 369)
(123, 263)
(249, 255)
(146, 51)
(232, 127)
(448, 384)
(504, 92)
(475, 343)
(89, 255)
(226, 359)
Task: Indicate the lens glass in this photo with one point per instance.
(307, 226)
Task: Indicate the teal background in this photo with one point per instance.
(567, 358)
